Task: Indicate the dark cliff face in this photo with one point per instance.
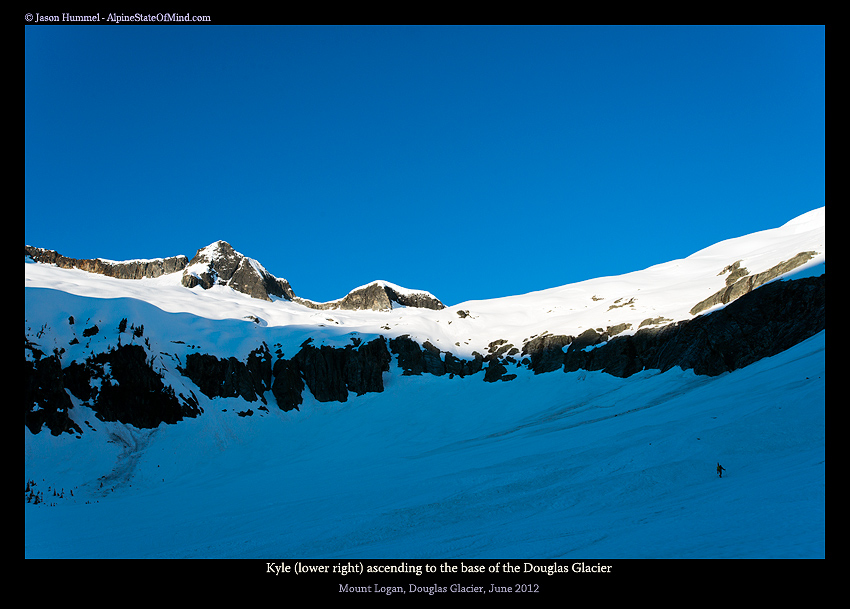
(46, 403)
(230, 378)
(330, 373)
(759, 324)
(416, 359)
(133, 392)
(127, 389)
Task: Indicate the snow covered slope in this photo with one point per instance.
(562, 465)
(578, 465)
(665, 292)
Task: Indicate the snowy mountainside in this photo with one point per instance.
(567, 466)
(147, 393)
(654, 296)
(207, 334)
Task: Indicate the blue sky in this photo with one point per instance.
(472, 162)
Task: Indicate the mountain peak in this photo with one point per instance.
(379, 296)
(220, 264)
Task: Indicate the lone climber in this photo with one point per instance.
(720, 470)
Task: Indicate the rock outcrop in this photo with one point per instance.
(377, 296)
(288, 385)
(220, 264)
(415, 359)
(119, 385)
(329, 372)
(740, 282)
(46, 404)
(134, 393)
(229, 377)
(130, 269)
(546, 352)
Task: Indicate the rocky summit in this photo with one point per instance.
(378, 296)
(220, 264)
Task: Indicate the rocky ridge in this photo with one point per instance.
(130, 269)
(220, 264)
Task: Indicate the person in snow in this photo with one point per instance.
(720, 470)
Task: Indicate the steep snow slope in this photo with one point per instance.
(577, 465)
(554, 465)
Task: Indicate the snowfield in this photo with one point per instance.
(557, 465)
